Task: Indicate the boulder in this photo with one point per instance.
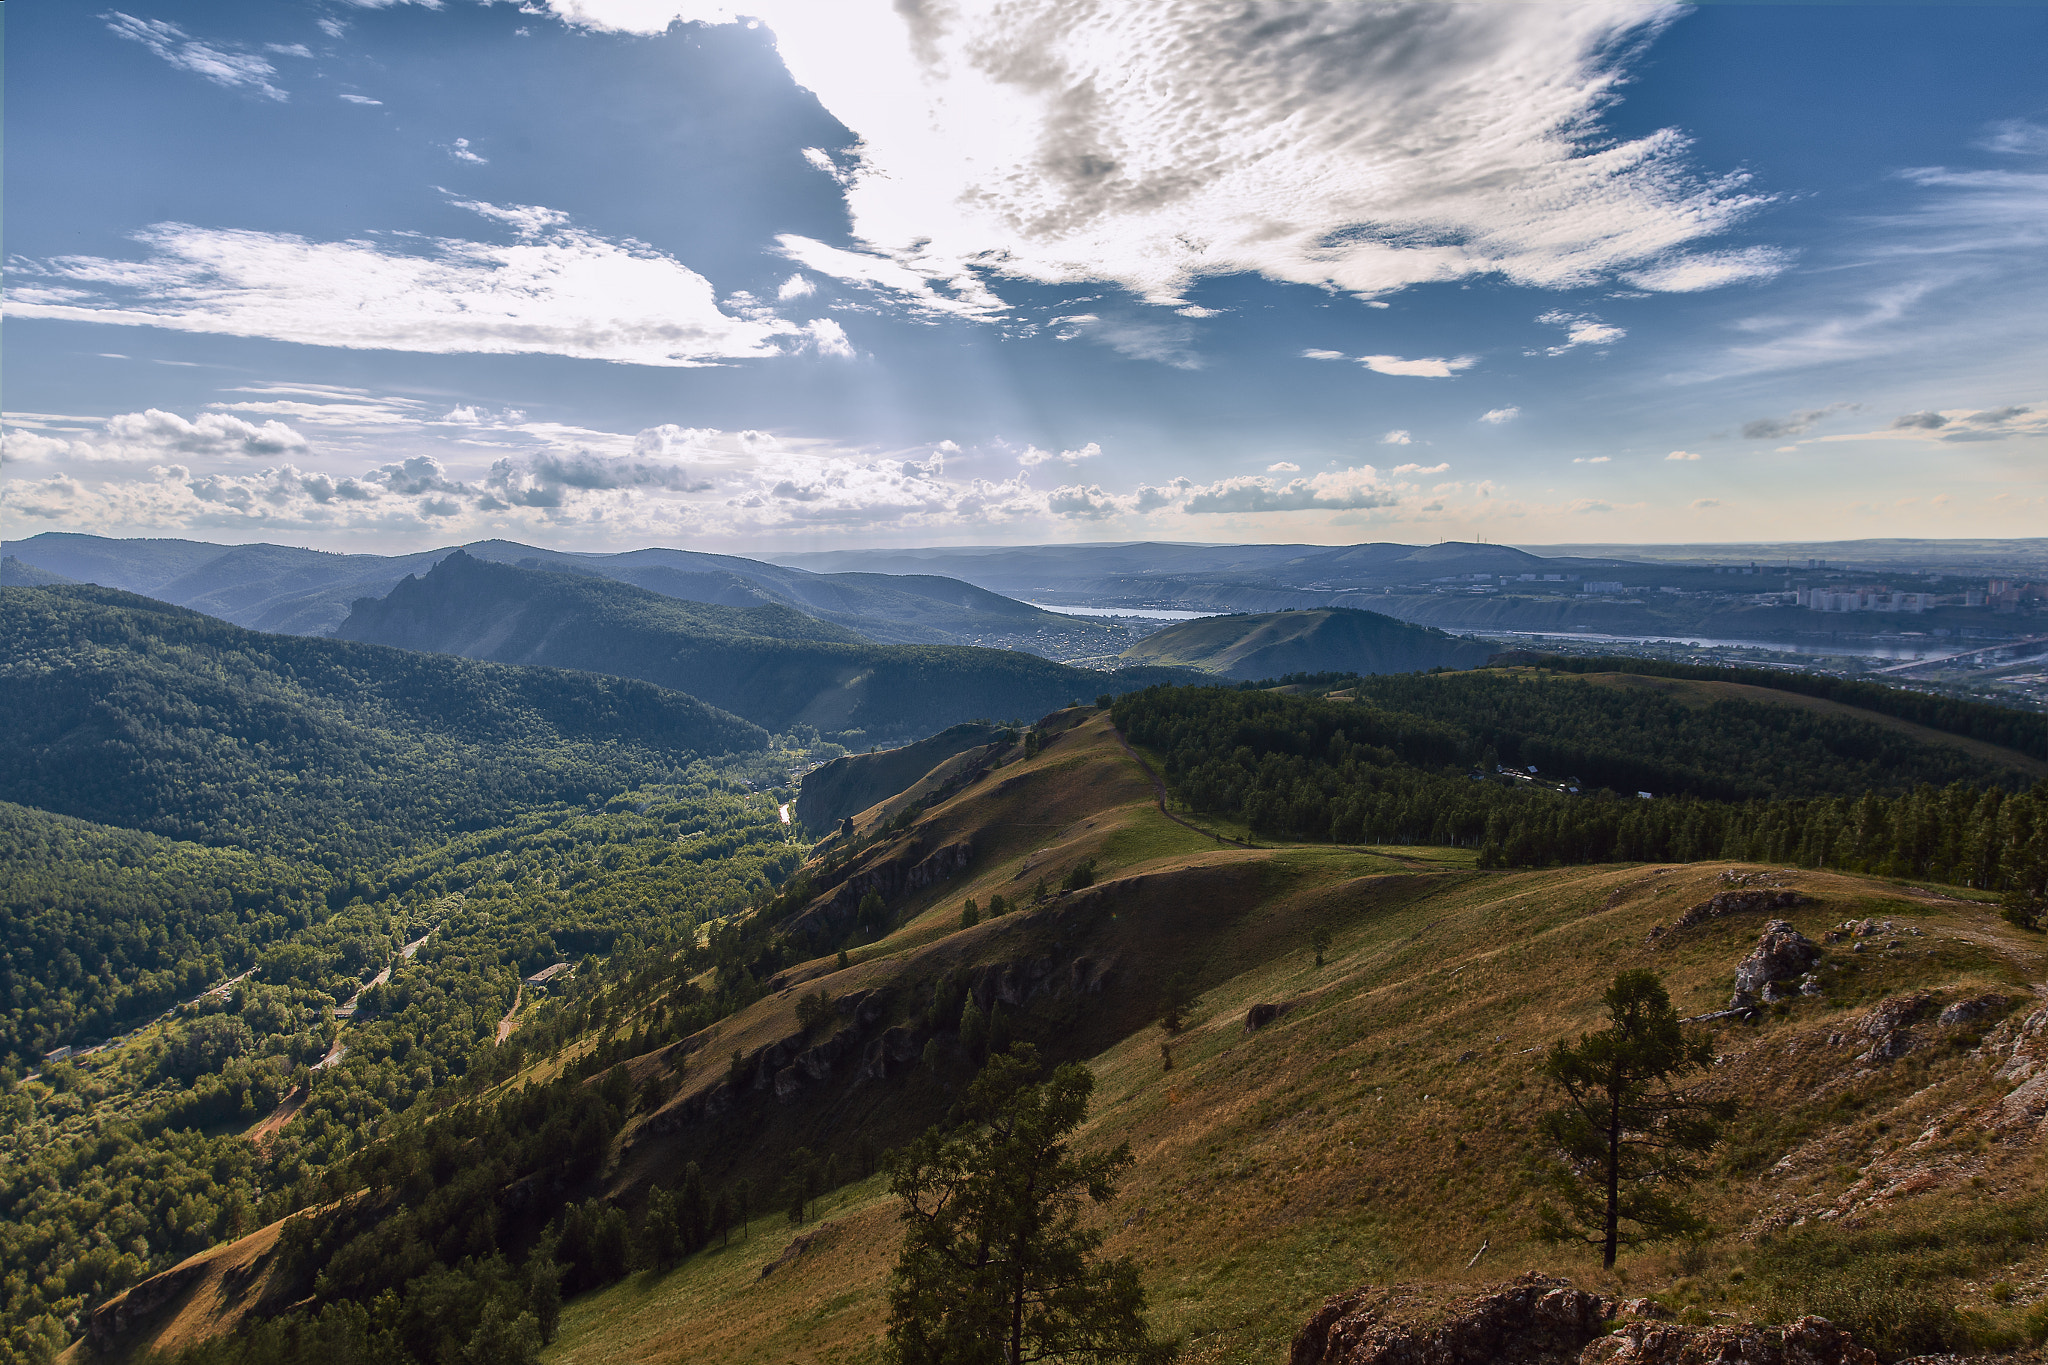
(1970, 1011)
(1781, 954)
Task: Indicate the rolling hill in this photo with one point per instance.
(1371, 1116)
(770, 664)
(1329, 640)
(309, 592)
(123, 710)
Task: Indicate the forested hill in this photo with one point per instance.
(120, 709)
(1334, 639)
(519, 615)
(1537, 770)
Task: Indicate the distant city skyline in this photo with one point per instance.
(593, 274)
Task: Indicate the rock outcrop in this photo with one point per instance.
(1781, 955)
(1809, 1341)
(1535, 1320)
(1754, 901)
(1541, 1320)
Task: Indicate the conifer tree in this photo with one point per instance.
(997, 1266)
(1624, 1137)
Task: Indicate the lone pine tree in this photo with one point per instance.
(1624, 1136)
(997, 1267)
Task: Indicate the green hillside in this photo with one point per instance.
(126, 711)
(1366, 1110)
(770, 664)
(1326, 640)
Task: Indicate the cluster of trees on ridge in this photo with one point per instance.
(1371, 771)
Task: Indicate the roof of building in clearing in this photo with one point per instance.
(547, 974)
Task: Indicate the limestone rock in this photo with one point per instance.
(1809, 1341)
(1535, 1320)
(1750, 902)
(1782, 954)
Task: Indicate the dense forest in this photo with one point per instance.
(1362, 771)
(129, 712)
(121, 1162)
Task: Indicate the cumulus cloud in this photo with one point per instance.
(1313, 354)
(1497, 416)
(1355, 148)
(1034, 456)
(1433, 367)
(1581, 329)
(1283, 467)
(797, 286)
(1682, 455)
(828, 338)
(1335, 490)
(234, 70)
(459, 149)
(559, 290)
(1397, 438)
(154, 435)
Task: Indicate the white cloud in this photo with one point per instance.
(222, 66)
(1689, 274)
(1167, 343)
(913, 288)
(1314, 354)
(1397, 438)
(1581, 329)
(1499, 415)
(1283, 467)
(828, 338)
(1361, 487)
(558, 291)
(1357, 148)
(153, 436)
(332, 27)
(1682, 455)
(2016, 137)
(459, 149)
(289, 49)
(797, 286)
(1402, 470)
(1034, 456)
(1598, 459)
(360, 99)
(1702, 504)
(1434, 367)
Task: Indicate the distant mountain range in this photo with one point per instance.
(309, 592)
(770, 664)
(1331, 640)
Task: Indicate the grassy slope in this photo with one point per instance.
(1381, 1128)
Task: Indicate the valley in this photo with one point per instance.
(438, 1069)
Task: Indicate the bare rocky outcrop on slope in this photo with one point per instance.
(1534, 1320)
(1542, 1320)
(1782, 954)
(1808, 1341)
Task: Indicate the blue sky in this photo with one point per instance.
(598, 273)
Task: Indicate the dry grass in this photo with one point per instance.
(1382, 1126)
